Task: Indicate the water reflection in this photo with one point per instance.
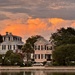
(34, 72)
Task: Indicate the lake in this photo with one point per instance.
(34, 72)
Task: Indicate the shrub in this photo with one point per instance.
(28, 63)
(72, 63)
(13, 59)
(6, 62)
(55, 64)
(44, 62)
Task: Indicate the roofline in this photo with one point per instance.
(14, 36)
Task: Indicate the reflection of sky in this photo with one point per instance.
(36, 17)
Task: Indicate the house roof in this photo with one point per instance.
(41, 41)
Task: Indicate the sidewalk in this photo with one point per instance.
(36, 68)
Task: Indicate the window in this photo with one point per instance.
(3, 47)
(41, 56)
(45, 56)
(9, 47)
(45, 47)
(39, 47)
(35, 47)
(14, 47)
(20, 39)
(38, 56)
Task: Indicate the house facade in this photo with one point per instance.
(10, 42)
(42, 50)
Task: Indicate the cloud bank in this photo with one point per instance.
(36, 17)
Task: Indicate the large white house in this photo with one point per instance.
(10, 42)
(42, 50)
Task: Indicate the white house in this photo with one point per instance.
(42, 50)
(10, 42)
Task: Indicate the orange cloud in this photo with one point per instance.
(73, 24)
(32, 27)
(55, 21)
(36, 26)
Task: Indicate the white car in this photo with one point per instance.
(38, 64)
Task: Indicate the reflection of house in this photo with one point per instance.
(10, 42)
(43, 50)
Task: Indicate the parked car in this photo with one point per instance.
(37, 64)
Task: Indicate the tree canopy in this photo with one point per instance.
(64, 36)
(12, 58)
(64, 46)
(28, 47)
(33, 39)
(64, 54)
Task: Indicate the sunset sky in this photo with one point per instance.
(36, 17)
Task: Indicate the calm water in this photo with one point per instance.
(35, 72)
